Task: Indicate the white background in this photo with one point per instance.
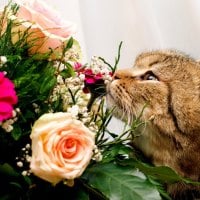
(141, 24)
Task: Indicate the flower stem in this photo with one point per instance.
(91, 101)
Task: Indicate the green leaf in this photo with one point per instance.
(69, 43)
(6, 169)
(27, 179)
(116, 150)
(81, 195)
(162, 190)
(70, 69)
(16, 185)
(47, 84)
(161, 173)
(65, 73)
(29, 115)
(117, 182)
(68, 72)
(16, 132)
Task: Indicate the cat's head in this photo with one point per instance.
(167, 82)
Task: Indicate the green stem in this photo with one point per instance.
(91, 101)
(118, 57)
(72, 96)
(113, 142)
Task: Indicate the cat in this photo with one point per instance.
(168, 83)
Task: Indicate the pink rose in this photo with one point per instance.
(48, 30)
(62, 147)
(8, 97)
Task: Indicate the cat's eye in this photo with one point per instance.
(150, 77)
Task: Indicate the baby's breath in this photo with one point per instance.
(3, 61)
(7, 125)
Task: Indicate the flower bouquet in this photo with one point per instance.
(54, 136)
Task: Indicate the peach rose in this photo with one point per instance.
(47, 30)
(62, 147)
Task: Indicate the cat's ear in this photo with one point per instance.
(186, 114)
(184, 101)
(150, 58)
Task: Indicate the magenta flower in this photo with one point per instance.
(77, 66)
(92, 81)
(8, 97)
(91, 78)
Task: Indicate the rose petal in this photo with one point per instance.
(5, 111)
(8, 95)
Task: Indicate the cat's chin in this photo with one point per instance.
(118, 112)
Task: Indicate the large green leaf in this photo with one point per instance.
(120, 183)
(161, 173)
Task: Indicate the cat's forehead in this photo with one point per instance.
(148, 59)
(137, 70)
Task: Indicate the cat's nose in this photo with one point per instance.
(122, 73)
(116, 76)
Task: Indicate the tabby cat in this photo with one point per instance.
(168, 82)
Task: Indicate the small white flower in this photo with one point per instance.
(82, 77)
(93, 129)
(7, 126)
(14, 113)
(85, 114)
(60, 79)
(92, 124)
(85, 120)
(97, 154)
(37, 110)
(74, 110)
(106, 82)
(18, 110)
(3, 59)
(24, 173)
(61, 67)
(28, 158)
(12, 17)
(28, 146)
(20, 164)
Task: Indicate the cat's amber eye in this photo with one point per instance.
(149, 76)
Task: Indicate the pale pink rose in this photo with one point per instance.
(48, 30)
(62, 147)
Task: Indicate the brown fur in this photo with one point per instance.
(172, 133)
